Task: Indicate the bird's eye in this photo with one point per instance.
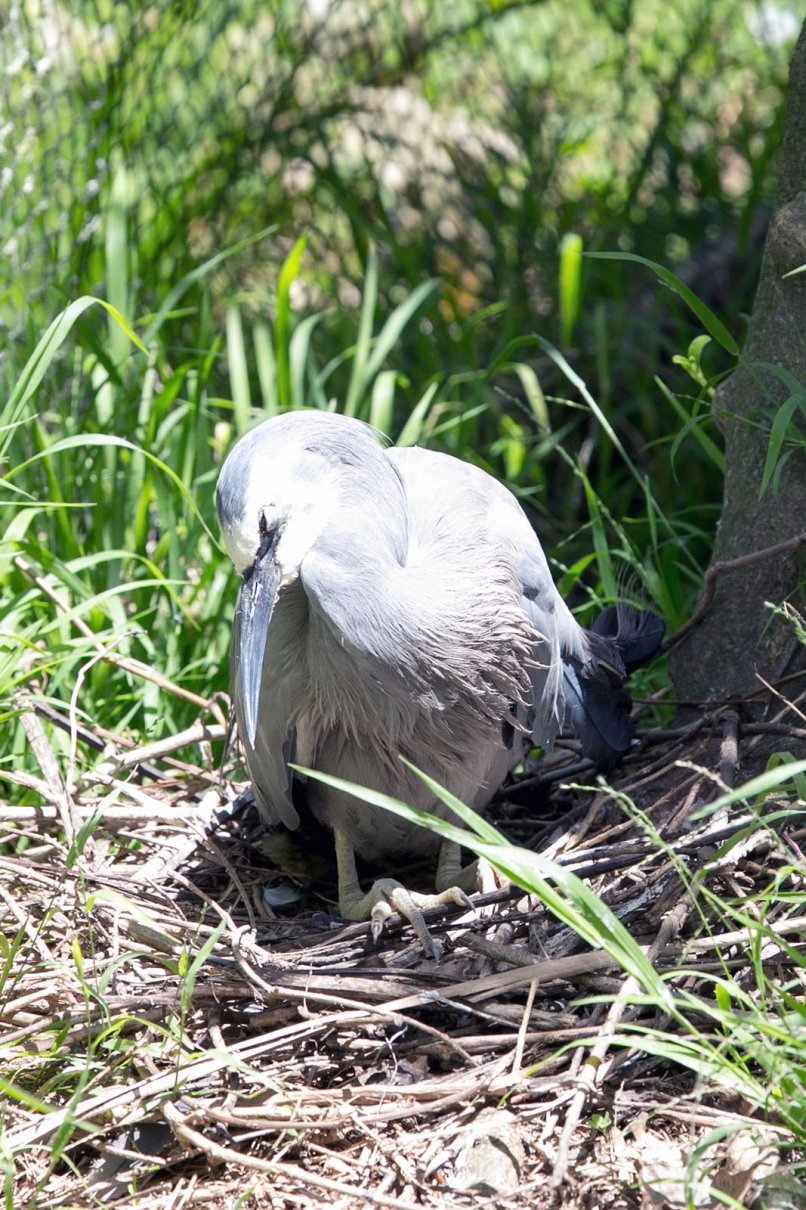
(269, 532)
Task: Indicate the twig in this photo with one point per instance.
(594, 1069)
(788, 705)
(729, 749)
(146, 811)
(199, 733)
(517, 1058)
(74, 696)
(99, 739)
(725, 568)
(372, 1011)
(195, 1141)
(47, 762)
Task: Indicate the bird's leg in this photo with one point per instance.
(478, 876)
(385, 896)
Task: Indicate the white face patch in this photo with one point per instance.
(290, 501)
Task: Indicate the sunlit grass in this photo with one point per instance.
(108, 544)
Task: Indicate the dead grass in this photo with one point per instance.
(165, 1043)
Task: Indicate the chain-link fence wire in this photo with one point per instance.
(421, 125)
(154, 93)
(54, 134)
(209, 121)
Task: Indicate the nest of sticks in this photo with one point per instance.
(203, 1049)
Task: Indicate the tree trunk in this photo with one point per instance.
(739, 640)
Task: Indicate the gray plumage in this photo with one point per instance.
(397, 602)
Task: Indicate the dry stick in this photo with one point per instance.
(145, 810)
(126, 754)
(195, 1141)
(98, 739)
(133, 667)
(594, 1065)
(517, 1058)
(787, 704)
(701, 1115)
(785, 729)
(729, 749)
(720, 569)
(372, 1011)
(9, 812)
(46, 759)
(788, 707)
(98, 1109)
(198, 733)
(234, 931)
(74, 696)
(673, 829)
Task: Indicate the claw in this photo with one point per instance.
(378, 917)
(387, 895)
(408, 903)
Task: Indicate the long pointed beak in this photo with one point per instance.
(254, 609)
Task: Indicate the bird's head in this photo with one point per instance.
(275, 494)
(284, 484)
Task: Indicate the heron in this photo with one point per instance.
(397, 603)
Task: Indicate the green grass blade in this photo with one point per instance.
(570, 284)
(358, 373)
(283, 322)
(266, 364)
(778, 434)
(392, 329)
(238, 368)
(299, 359)
(412, 430)
(533, 391)
(705, 315)
(691, 425)
(767, 781)
(48, 346)
(382, 402)
(82, 440)
(194, 277)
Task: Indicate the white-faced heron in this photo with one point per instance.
(397, 602)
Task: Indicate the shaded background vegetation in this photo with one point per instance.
(480, 146)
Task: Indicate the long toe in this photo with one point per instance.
(411, 904)
(451, 894)
(408, 904)
(386, 896)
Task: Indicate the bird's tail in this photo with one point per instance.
(597, 704)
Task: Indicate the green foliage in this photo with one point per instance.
(109, 556)
(786, 438)
(155, 135)
(236, 209)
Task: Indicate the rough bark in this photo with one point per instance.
(738, 639)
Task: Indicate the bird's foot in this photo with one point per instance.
(478, 876)
(387, 896)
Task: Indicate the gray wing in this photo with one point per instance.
(275, 739)
(485, 514)
(562, 636)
